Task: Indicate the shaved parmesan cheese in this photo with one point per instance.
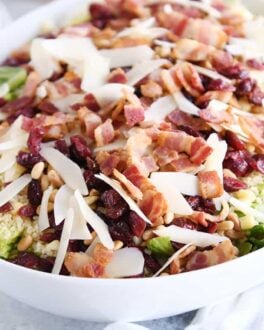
(245, 208)
(95, 221)
(20, 141)
(125, 262)
(185, 183)
(140, 31)
(64, 104)
(175, 200)
(64, 242)
(110, 93)
(144, 23)
(66, 168)
(8, 159)
(61, 203)
(124, 57)
(185, 105)
(186, 236)
(14, 188)
(174, 256)
(43, 220)
(117, 144)
(160, 109)
(80, 230)
(117, 187)
(91, 247)
(142, 69)
(163, 43)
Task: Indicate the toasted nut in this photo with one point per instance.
(44, 181)
(164, 274)
(89, 241)
(53, 195)
(137, 240)
(37, 170)
(235, 234)
(168, 218)
(91, 199)
(148, 234)
(94, 192)
(38, 210)
(50, 206)
(232, 216)
(55, 179)
(118, 245)
(24, 243)
(225, 225)
(160, 227)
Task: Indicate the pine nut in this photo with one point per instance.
(53, 195)
(148, 234)
(50, 206)
(164, 274)
(168, 218)
(225, 225)
(24, 243)
(55, 179)
(118, 245)
(37, 170)
(44, 181)
(91, 199)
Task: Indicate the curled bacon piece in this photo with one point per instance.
(210, 185)
(133, 114)
(193, 28)
(153, 203)
(254, 128)
(90, 120)
(215, 116)
(191, 50)
(195, 147)
(224, 251)
(104, 133)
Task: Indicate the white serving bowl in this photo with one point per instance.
(116, 299)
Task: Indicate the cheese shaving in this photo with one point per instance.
(117, 187)
(43, 219)
(185, 105)
(64, 241)
(187, 236)
(66, 168)
(160, 109)
(61, 203)
(80, 230)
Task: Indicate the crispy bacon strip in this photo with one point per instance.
(104, 133)
(134, 114)
(215, 116)
(90, 120)
(224, 251)
(210, 185)
(254, 128)
(179, 141)
(193, 28)
(191, 50)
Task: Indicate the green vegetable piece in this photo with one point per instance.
(13, 77)
(161, 246)
(8, 240)
(256, 235)
(244, 248)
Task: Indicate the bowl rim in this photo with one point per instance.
(116, 281)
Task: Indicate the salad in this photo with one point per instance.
(132, 141)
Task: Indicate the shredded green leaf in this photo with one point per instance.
(160, 246)
(11, 79)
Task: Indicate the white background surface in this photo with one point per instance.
(17, 316)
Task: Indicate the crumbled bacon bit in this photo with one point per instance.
(133, 114)
(210, 185)
(104, 133)
(151, 89)
(117, 76)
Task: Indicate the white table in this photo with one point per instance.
(17, 316)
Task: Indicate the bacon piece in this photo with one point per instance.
(254, 128)
(133, 114)
(182, 164)
(104, 133)
(180, 118)
(107, 162)
(33, 80)
(210, 185)
(151, 89)
(223, 96)
(188, 78)
(117, 76)
(191, 50)
(102, 255)
(193, 28)
(134, 191)
(223, 252)
(153, 203)
(195, 147)
(169, 82)
(90, 120)
(215, 116)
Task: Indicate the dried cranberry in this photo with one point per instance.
(244, 87)
(47, 107)
(189, 130)
(200, 204)
(233, 141)
(35, 137)
(236, 162)
(90, 179)
(137, 224)
(256, 96)
(28, 112)
(234, 72)
(17, 59)
(111, 198)
(61, 145)
(151, 263)
(116, 212)
(91, 165)
(79, 150)
(6, 207)
(231, 184)
(255, 64)
(27, 211)
(119, 230)
(185, 223)
(28, 160)
(100, 15)
(2, 101)
(49, 235)
(30, 260)
(259, 161)
(34, 192)
(211, 228)
(17, 104)
(91, 103)
(219, 85)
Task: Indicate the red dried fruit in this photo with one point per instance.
(244, 87)
(259, 163)
(30, 260)
(27, 211)
(232, 184)
(28, 160)
(137, 224)
(47, 107)
(18, 104)
(255, 64)
(219, 85)
(211, 228)
(256, 96)
(189, 130)
(61, 145)
(115, 213)
(28, 112)
(119, 230)
(49, 235)
(111, 198)
(90, 179)
(234, 72)
(80, 146)
(234, 142)
(7, 207)
(34, 192)
(237, 163)
(185, 223)
(35, 138)
(151, 263)
(91, 103)
(200, 204)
